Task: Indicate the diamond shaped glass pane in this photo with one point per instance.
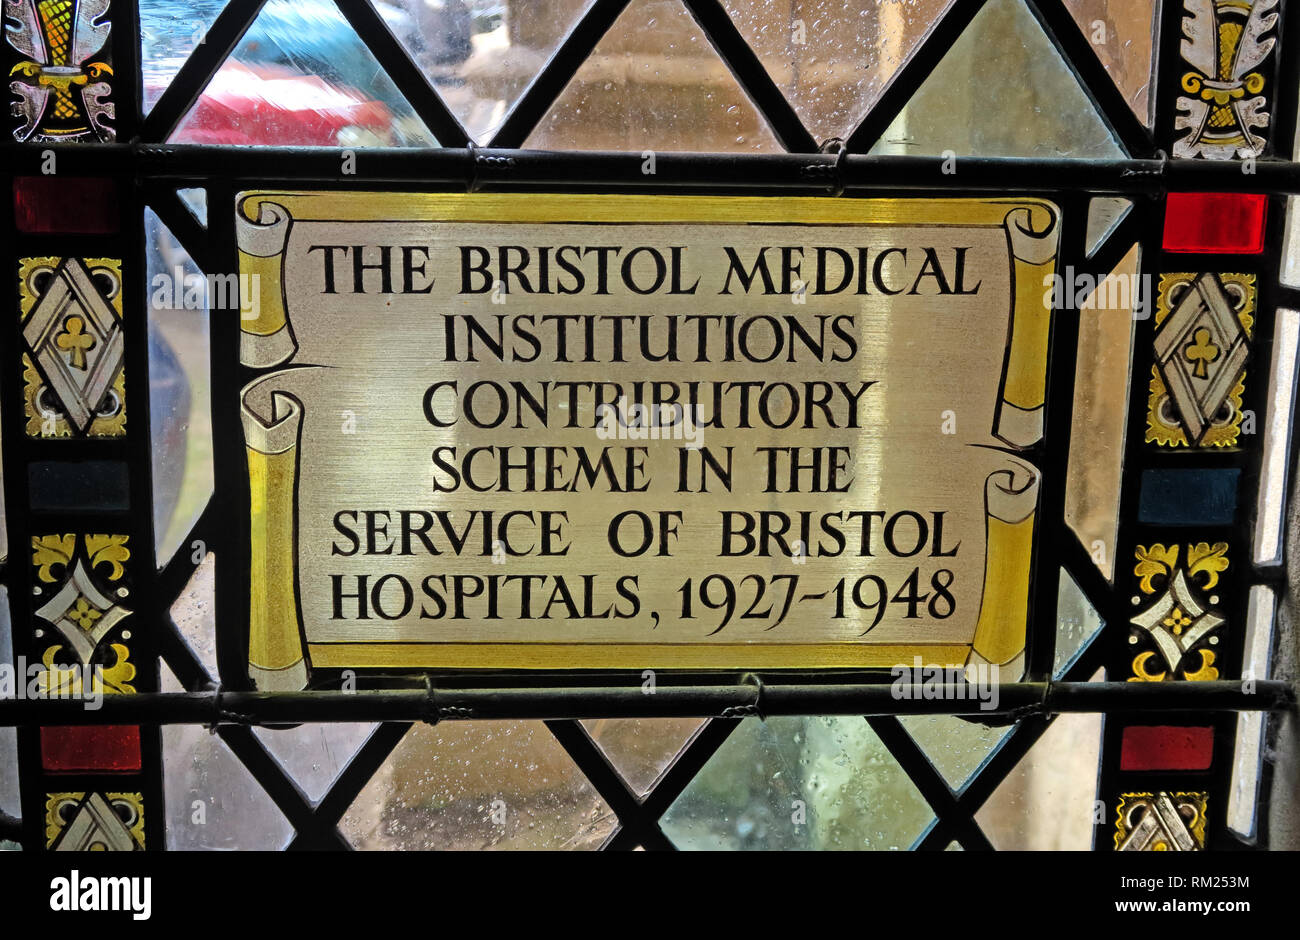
(180, 414)
(1002, 90)
(799, 783)
(480, 57)
(955, 747)
(1046, 802)
(654, 82)
(213, 802)
(478, 785)
(315, 755)
(301, 76)
(1122, 33)
(641, 748)
(169, 32)
(833, 58)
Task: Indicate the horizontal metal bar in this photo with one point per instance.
(1012, 700)
(478, 168)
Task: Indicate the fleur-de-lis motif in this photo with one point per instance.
(76, 341)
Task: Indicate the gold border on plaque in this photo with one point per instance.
(278, 653)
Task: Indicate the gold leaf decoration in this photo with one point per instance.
(51, 550)
(1202, 558)
(1153, 562)
(108, 549)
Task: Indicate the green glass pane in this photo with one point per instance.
(1001, 91)
(955, 747)
(1077, 624)
(180, 417)
(799, 783)
(301, 77)
(478, 785)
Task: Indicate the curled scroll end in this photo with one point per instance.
(261, 226)
(1011, 493)
(263, 352)
(280, 432)
(1013, 670)
(1019, 427)
(1033, 232)
(292, 678)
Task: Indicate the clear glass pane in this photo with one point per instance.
(9, 802)
(1047, 801)
(196, 200)
(1277, 438)
(799, 783)
(194, 613)
(833, 58)
(1105, 213)
(315, 755)
(654, 82)
(955, 747)
(1077, 624)
(480, 56)
(213, 802)
(1248, 752)
(302, 77)
(641, 748)
(1100, 414)
(478, 785)
(1122, 33)
(180, 413)
(1001, 91)
(169, 31)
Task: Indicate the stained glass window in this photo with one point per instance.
(161, 158)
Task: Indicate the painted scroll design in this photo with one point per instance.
(276, 657)
(1033, 235)
(61, 87)
(1225, 43)
(273, 425)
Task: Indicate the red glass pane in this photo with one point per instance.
(101, 749)
(65, 205)
(1216, 223)
(1166, 747)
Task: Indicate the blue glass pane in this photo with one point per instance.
(1188, 497)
